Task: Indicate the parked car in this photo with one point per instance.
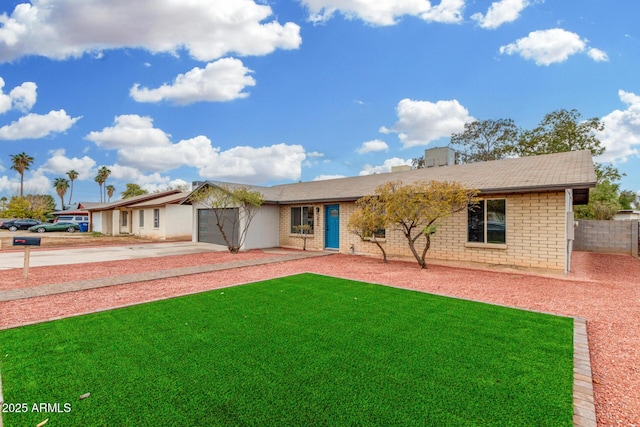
(76, 219)
(58, 226)
(19, 224)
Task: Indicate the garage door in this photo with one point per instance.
(208, 231)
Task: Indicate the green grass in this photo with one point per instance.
(303, 350)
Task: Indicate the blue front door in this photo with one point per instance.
(332, 226)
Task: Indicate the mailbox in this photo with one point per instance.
(26, 241)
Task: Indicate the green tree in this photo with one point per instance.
(133, 190)
(414, 209)
(368, 222)
(20, 163)
(36, 206)
(629, 200)
(603, 202)
(19, 207)
(61, 185)
(73, 175)
(233, 207)
(561, 131)
(3, 203)
(484, 140)
(110, 190)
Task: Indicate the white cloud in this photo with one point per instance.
(500, 12)
(20, 98)
(33, 126)
(598, 55)
(34, 183)
(141, 147)
(373, 146)
(385, 167)
(207, 29)
(546, 47)
(255, 165)
(621, 134)
(422, 122)
(129, 130)
(385, 12)
(447, 12)
(326, 177)
(60, 164)
(222, 80)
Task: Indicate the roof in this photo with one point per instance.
(548, 172)
(70, 212)
(270, 194)
(162, 201)
(129, 201)
(89, 205)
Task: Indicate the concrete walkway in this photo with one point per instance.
(62, 256)
(80, 285)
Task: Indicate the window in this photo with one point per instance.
(487, 222)
(125, 218)
(141, 219)
(302, 216)
(156, 218)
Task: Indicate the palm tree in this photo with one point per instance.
(104, 173)
(101, 178)
(110, 190)
(73, 175)
(21, 163)
(61, 185)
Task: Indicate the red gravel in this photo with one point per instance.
(605, 290)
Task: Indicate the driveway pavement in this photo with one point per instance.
(39, 258)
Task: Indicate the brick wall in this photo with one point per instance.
(535, 235)
(607, 236)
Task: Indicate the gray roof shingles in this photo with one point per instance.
(536, 173)
(559, 171)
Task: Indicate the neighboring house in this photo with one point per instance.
(627, 215)
(526, 218)
(115, 218)
(162, 218)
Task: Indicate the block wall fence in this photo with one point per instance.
(607, 237)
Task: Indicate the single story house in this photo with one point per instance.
(115, 218)
(526, 215)
(162, 218)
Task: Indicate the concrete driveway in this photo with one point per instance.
(39, 257)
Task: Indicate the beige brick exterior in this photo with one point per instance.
(535, 234)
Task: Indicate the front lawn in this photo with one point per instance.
(303, 350)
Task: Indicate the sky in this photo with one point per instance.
(263, 92)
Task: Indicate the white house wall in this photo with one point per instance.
(177, 220)
(96, 222)
(263, 231)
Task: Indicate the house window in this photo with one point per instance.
(141, 218)
(380, 233)
(156, 218)
(487, 221)
(125, 218)
(302, 215)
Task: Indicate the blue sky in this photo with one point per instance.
(165, 92)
